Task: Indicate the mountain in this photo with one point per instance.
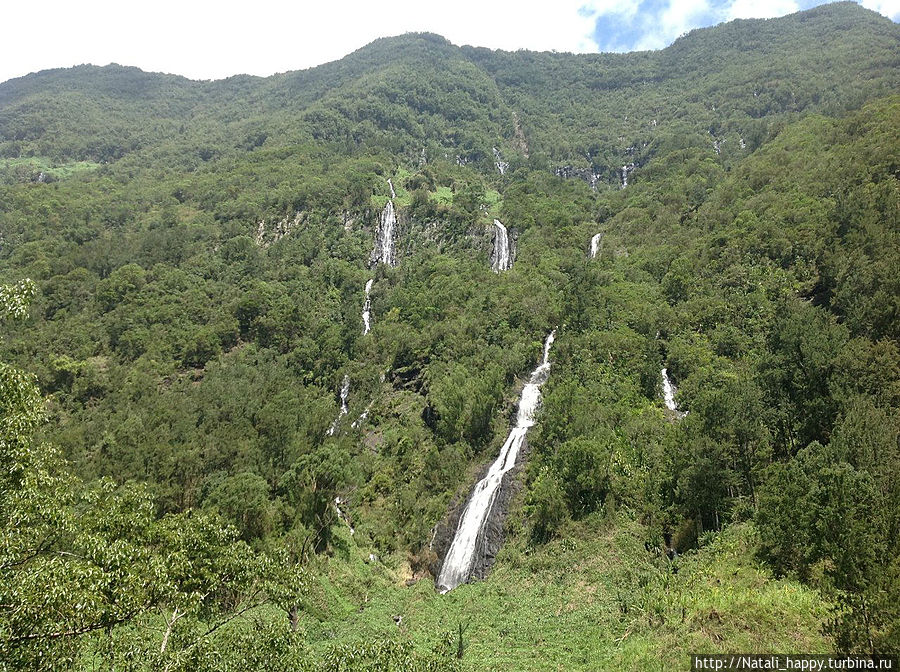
(278, 328)
(418, 90)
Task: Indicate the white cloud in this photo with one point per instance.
(677, 18)
(205, 39)
(890, 8)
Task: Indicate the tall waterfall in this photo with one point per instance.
(626, 171)
(393, 193)
(595, 244)
(501, 165)
(457, 567)
(345, 393)
(669, 391)
(384, 237)
(500, 259)
(367, 308)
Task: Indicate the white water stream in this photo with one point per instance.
(500, 260)
(345, 393)
(501, 165)
(367, 308)
(460, 557)
(669, 391)
(595, 244)
(384, 237)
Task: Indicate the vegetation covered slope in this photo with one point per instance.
(200, 250)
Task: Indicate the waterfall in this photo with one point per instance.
(343, 516)
(345, 392)
(367, 308)
(595, 244)
(669, 391)
(356, 424)
(457, 567)
(626, 171)
(501, 165)
(500, 260)
(391, 185)
(384, 237)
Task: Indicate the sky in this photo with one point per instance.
(202, 39)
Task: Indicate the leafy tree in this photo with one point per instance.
(85, 569)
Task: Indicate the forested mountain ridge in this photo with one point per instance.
(415, 91)
(264, 429)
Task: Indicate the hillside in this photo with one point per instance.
(271, 345)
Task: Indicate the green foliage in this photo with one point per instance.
(199, 253)
(87, 569)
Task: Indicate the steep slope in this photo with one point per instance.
(731, 85)
(209, 304)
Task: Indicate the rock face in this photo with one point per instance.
(569, 172)
(493, 533)
(265, 236)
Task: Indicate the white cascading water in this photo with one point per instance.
(384, 237)
(356, 424)
(669, 392)
(501, 165)
(345, 393)
(595, 244)
(626, 171)
(391, 185)
(457, 566)
(343, 516)
(367, 308)
(500, 260)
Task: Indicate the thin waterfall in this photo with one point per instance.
(343, 516)
(345, 393)
(626, 171)
(457, 567)
(595, 244)
(501, 165)
(669, 391)
(367, 308)
(384, 237)
(356, 424)
(500, 259)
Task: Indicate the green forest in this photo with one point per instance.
(211, 459)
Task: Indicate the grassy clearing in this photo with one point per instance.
(494, 202)
(442, 195)
(38, 164)
(594, 600)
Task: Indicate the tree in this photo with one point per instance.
(78, 564)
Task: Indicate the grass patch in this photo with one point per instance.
(442, 195)
(494, 202)
(38, 164)
(594, 600)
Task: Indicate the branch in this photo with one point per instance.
(169, 625)
(71, 633)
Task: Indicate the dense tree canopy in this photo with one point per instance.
(179, 478)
